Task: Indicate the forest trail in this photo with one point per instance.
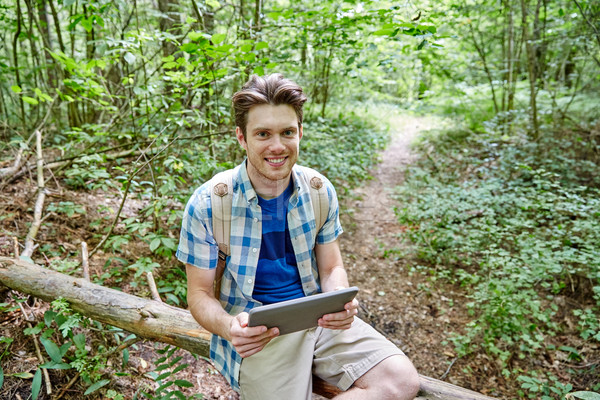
(409, 308)
(374, 211)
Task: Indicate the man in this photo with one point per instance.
(277, 254)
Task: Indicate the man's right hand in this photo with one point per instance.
(249, 340)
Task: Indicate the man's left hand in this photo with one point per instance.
(342, 319)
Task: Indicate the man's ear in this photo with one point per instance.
(240, 138)
(300, 136)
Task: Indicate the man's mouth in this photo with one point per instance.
(276, 161)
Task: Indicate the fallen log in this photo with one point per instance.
(157, 321)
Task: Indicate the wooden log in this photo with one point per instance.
(153, 320)
(146, 318)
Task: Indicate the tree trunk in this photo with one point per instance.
(531, 69)
(153, 320)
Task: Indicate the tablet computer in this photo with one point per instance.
(303, 313)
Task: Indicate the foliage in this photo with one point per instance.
(166, 367)
(514, 223)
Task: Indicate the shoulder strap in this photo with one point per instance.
(318, 196)
(221, 197)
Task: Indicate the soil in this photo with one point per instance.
(409, 307)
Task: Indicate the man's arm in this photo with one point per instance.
(333, 276)
(209, 313)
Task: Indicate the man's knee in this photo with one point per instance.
(395, 378)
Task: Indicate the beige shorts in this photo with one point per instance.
(284, 368)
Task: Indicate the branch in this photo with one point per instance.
(39, 203)
(588, 21)
(126, 191)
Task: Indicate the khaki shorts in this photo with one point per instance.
(284, 368)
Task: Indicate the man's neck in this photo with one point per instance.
(268, 189)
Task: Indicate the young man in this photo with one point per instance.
(277, 254)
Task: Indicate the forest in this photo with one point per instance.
(113, 112)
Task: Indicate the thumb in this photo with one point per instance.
(243, 319)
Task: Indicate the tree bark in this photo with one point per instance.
(153, 320)
(531, 69)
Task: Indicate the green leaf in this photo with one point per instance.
(96, 386)
(189, 47)
(183, 383)
(52, 350)
(154, 244)
(36, 384)
(259, 70)
(218, 38)
(125, 357)
(53, 365)
(88, 23)
(23, 375)
(16, 88)
(584, 395)
(30, 100)
(130, 58)
(262, 45)
(194, 36)
(1, 377)
(384, 32)
(79, 341)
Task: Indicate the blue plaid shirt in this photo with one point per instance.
(198, 247)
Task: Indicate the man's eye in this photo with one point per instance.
(263, 134)
(288, 133)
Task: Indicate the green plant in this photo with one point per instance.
(164, 374)
(542, 387)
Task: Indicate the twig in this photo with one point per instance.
(38, 352)
(84, 261)
(15, 167)
(16, 247)
(126, 191)
(152, 286)
(448, 370)
(39, 203)
(68, 386)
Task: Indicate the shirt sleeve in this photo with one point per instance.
(197, 245)
(331, 228)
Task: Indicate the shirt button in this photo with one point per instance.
(255, 219)
(254, 250)
(249, 280)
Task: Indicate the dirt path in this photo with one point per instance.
(412, 310)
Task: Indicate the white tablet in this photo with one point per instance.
(303, 313)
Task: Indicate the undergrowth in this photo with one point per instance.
(516, 223)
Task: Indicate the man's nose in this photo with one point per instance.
(276, 145)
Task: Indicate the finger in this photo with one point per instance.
(351, 305)
(246, 336)
(249, 349)
(342, 315)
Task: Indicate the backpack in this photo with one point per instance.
(221, 196)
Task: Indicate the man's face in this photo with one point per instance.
(271, 143)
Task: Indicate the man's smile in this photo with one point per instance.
(276, 161)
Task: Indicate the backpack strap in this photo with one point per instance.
(318, 196)
(221, 197)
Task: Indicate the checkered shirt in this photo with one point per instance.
(197, 246)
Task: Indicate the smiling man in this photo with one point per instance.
(277, 253)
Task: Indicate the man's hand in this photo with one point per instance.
(249, 340)
(342, 319)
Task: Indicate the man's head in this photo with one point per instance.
(270, 89)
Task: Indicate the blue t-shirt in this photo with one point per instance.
(277, 277)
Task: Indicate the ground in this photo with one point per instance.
(413, 311)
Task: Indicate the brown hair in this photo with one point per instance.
(269, 89)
